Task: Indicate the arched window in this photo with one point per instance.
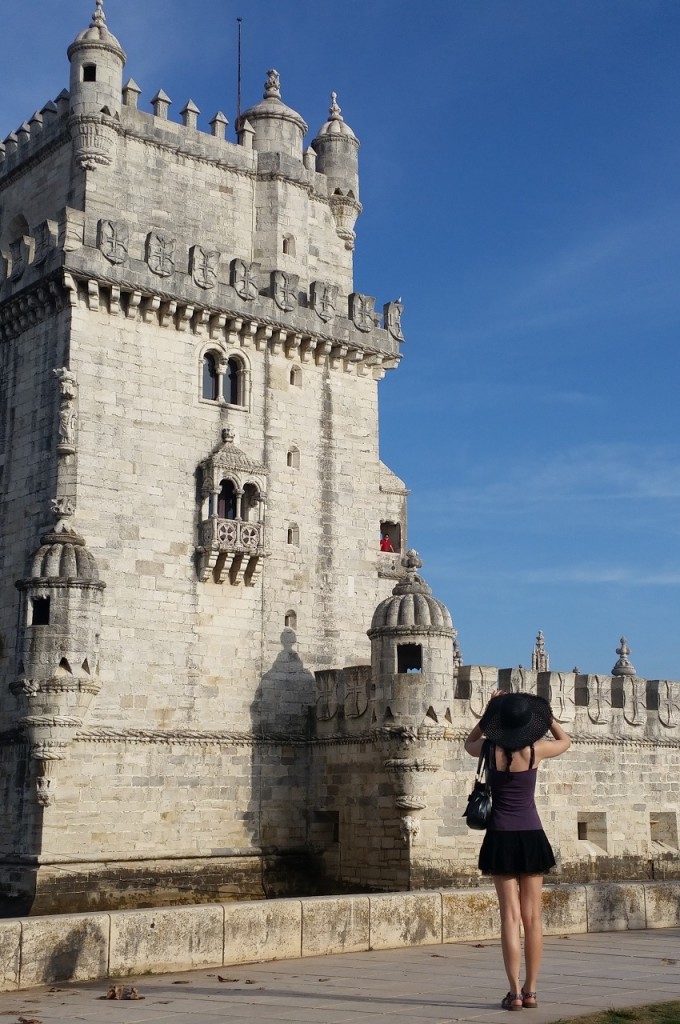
(210, 380)
(289, 245)
(226, 502)
(250, 503)
(295, 377)
(293, 458)
(293, 535)
(89, 72)
(290, 619)
(234, 382)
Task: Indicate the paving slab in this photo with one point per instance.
(457, 983)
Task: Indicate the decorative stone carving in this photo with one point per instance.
(44, 242)
(324, 296)
(562, 696)
(94, 139)
(362, 311)
(19, 251)
(284, 289)
(623, 666)
(409, 828)
(599, 698)
(483, 682)
(327, 695)
(113, 241)
(356, 692)
(244, 279)
(68, 386)
(204, 266)
(635, 701)
(392, 319)
(669, 703)
(160, 254)
(540, 659)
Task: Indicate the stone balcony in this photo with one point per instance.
(230, 549)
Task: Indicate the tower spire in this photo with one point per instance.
(99, 18)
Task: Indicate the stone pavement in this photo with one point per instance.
(416, 985)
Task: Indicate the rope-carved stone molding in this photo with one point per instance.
(186, 737)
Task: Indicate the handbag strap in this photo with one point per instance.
(482, 774)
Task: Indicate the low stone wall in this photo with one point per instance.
(86, 947)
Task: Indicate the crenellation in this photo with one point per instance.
(161, 104)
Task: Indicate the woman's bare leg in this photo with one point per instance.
(530, 888)
(507, 890)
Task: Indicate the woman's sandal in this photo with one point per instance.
(513, 1001)
(529, 1000)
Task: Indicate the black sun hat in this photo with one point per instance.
(515, 720)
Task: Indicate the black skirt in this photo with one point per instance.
(516, 853)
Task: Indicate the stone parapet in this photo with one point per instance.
(88, 947)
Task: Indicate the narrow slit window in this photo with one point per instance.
(293, 535)
(290, 619)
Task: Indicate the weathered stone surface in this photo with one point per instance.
(172, 939)
(564, 909)
(615, 907)
(10, 954)
(263, 930)
(470, 914)
(335, 925)
(405, 919)
(72, 947)
(662, 904)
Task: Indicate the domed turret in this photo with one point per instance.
(337, 152)
(278, 128)
(58, 652)
(97, 62)
(337, 156)
(412, 653)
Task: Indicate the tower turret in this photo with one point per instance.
(337, 156)
(278, 128)
(97, 62)
(58, 647)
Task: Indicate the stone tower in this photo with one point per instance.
(189, 421)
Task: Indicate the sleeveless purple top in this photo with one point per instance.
(513, 808)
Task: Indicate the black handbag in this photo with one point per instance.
(478, 810)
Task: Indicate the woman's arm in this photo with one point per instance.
(473, 744)
(554, 747)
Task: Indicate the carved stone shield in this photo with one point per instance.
(392, 319)
(160, 254)
(203, 266)
(324, 296)
(113, 240)
(244, 279)
(362, 311)
(284, 289)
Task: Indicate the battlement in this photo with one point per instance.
(590, 707)
(45, 128)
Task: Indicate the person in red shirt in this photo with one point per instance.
(386, 543)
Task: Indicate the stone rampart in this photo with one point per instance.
(88, 947)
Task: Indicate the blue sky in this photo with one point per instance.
(520, 179)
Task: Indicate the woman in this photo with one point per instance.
(515, 850)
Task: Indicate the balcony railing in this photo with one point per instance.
(230, 549)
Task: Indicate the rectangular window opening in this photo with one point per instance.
(409, 658)
(40, 611)
(592, 828)
(663, 829)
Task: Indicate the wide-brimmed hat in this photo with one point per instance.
(515, 720)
